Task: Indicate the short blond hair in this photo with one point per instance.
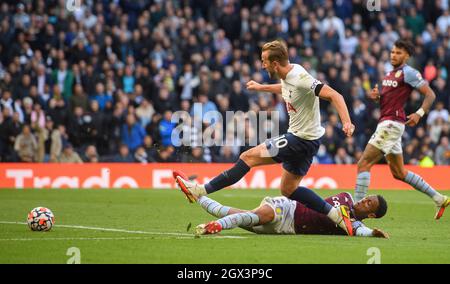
(277, 51)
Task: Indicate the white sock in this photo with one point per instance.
(438, 199)
(334, 215)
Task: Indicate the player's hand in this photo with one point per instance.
(348, 129)
(253, 86)
(374, 94)
(377, 233)
(413, 119)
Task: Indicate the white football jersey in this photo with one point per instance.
(298, 91)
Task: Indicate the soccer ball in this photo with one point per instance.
(40, 219)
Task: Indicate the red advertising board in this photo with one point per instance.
(160, 176)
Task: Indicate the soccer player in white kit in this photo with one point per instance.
(295, 149)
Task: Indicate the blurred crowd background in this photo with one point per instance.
(100, 84)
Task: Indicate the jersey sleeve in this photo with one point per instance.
(413, 77)
(361, 230)
(306, 83)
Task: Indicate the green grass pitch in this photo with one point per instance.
(149, 226)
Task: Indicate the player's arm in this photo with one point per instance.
(415, 80)
(269, 88)
(329, 94)
(362, 231)
(426, 91)
(374, 94)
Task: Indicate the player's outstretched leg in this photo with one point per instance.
(421, 185)
(256, 156)
(212, 227)
(418, 183)
(228, 177)
(251, 158)
(215, 208)
(245, 219)
(191, 189)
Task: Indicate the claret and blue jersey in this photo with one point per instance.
(397, 86)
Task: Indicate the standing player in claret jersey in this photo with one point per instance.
(387, 139)
(280, 215)
(295, 149)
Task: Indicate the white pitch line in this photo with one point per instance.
(74, 239)
(126, 231)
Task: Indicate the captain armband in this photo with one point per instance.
(318, 89)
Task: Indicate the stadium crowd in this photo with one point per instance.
(100, 83)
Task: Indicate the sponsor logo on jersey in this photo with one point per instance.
(290, 107)
(390, 83)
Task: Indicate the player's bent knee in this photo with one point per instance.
(363, 165)
(251, 158)
(246, 157)
(399, 175)
(287, 192)
(243, 156)
(265, 214)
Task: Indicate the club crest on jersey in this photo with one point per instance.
(398, 74)
(279, 210)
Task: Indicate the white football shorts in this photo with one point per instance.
(283, 223)
(388, 137)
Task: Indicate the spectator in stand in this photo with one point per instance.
(132, 133)
(330, 140)
(59, 138)
(195, 156)
(323, 157)
(165, 129)
(63, 77)
(443, 22)
(438, 112)
(145, 112)
(165, 155)
(12, 128)
(90, 155)
(101, 97)
(150, 148)
(124, 155)
(140, 155)
(174, 57)
(68, 155)
(225, 155)
(442, 154)
(342, 158)
(26, 145)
